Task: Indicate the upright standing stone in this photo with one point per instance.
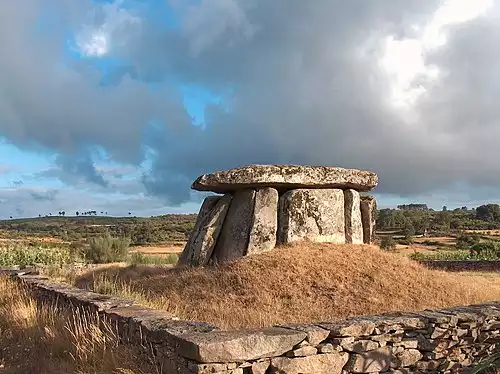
(208, 225)
(368, 217)
(264, 222)
(234, 237)
(312, 214)
(353, 224)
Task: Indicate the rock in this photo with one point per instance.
(285, 177)
(264, 222)
(370, 362)
(331, 363)
(235, 233)
(349, 328)
(304, 351)
(326, 348)
(260, 367)
(238, 345)
(368, 215)
(208, 225)
(314, 215)
(315, 334)
(353, 224)
(361, 346)
(408, 357)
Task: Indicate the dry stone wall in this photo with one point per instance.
(433, 341)
(267, 205)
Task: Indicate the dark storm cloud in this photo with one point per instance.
(301, 79)
(43, 196)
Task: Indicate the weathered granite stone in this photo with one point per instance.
(408, 357)
(264, 222)
(238, 345)
(330, 363)
(208, 225)
(353, 224)
(260, 367)
(326, 348)
(349, 328)
(314, 215)
(285, 177)
(368, 216)
(234, 236)
(361, 346)
(315, 334)
(303, 351)
(370, 362)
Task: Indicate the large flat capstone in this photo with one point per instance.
(286, 177)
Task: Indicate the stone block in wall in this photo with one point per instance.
(368, 206)
(328, 363)
(235, 234)
(315, 334)
(264, 223)
(238, 345)
(203, 238)
(353, 222)
(374, 361)
(311, 214)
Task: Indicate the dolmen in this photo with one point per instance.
(263, 206)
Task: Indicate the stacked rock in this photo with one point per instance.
(268, 205)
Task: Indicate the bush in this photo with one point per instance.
(387, 243)
(29, 255)
(487, 250)
(467, 240)
(104, 249)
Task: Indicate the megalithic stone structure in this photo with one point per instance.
(267, 205)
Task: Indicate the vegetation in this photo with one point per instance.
(138, 258)
(23, 255)
(336, 281)
(38, 338)
(387, 243)
(105, 249)
(418, 216)
(139, 230)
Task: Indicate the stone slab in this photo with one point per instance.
(315, 215)
(264, 222)
(238, 346)
(204, 236)
(286, 177)
(330, 363)
(368, 217)
(234, 236)
(353, 222)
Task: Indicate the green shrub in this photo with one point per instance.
(30, 255)
(486, 250)
(467, 240)
(105, 249)
(387, 243)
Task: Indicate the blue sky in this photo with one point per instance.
(117, 105)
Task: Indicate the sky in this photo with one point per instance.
(118, 105)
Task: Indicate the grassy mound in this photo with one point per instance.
(302, 283)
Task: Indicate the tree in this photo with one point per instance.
(488, 212)
(408, 229)
(445, 208)
(77, 214)
(387, 243)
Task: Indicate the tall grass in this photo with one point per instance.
(39, 339)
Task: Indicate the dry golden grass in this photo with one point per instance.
(301, 283)
(37, 339)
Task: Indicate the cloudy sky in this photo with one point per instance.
(119, 105)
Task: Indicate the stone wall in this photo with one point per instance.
(441, 341)
(480, 265)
